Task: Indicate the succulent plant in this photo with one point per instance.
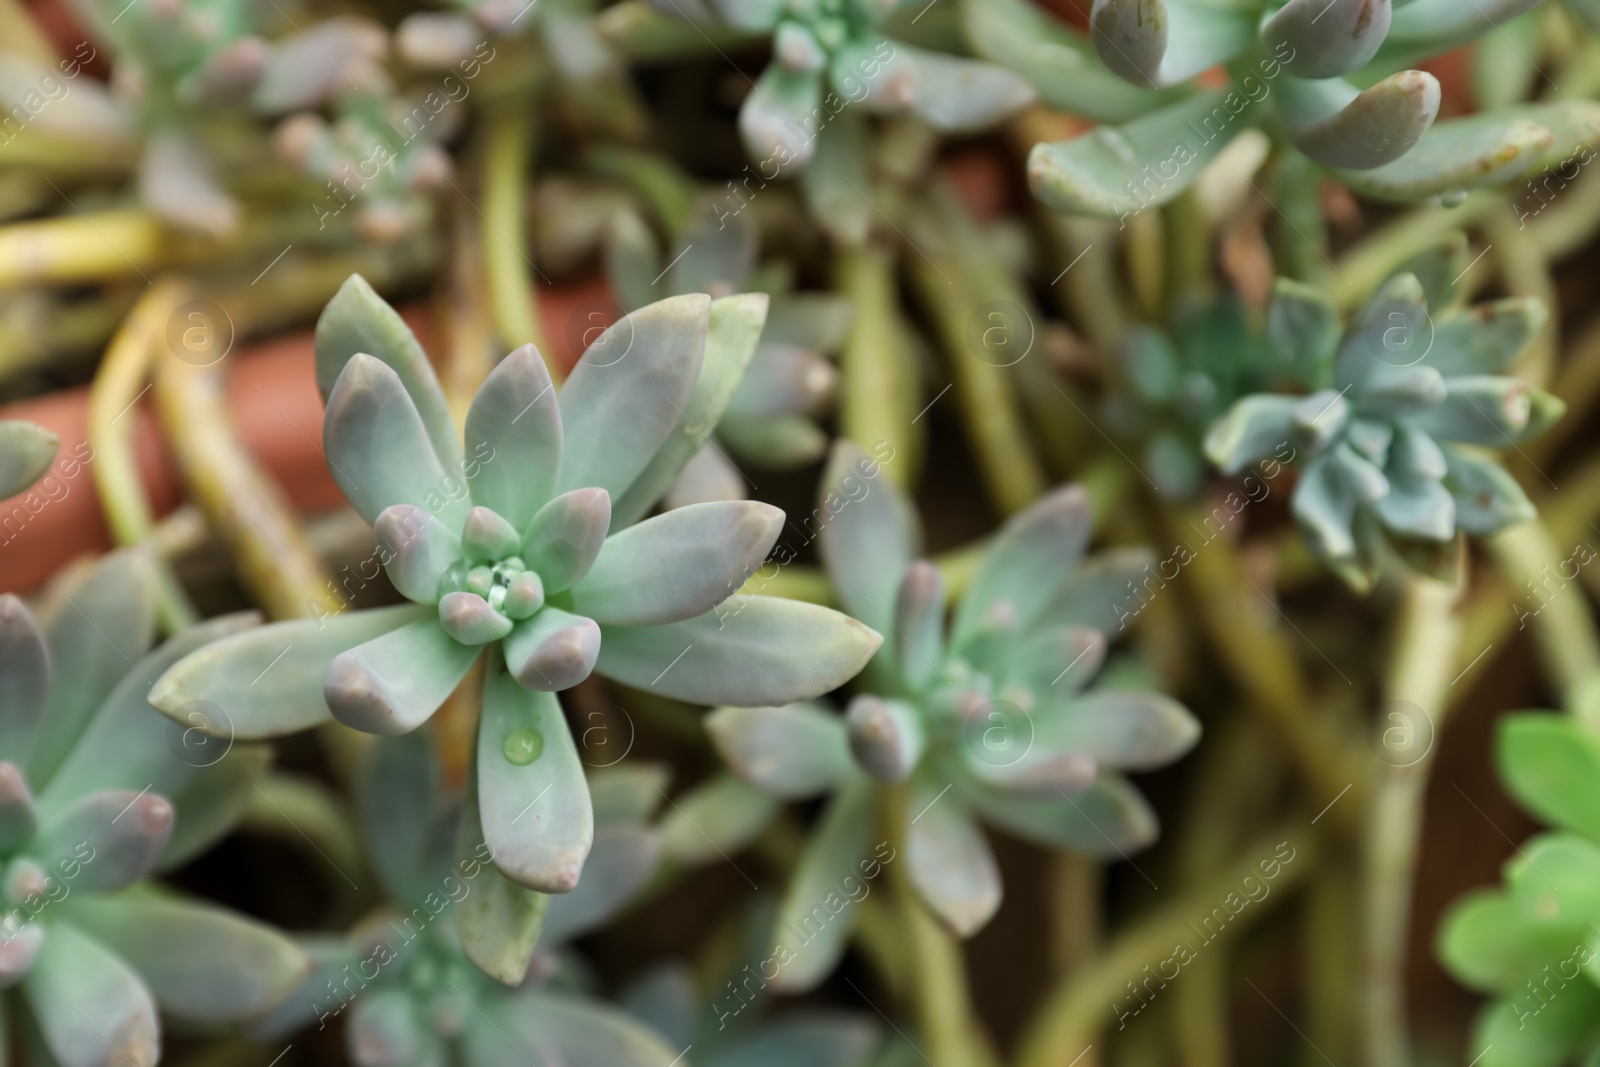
(1530, 945)
(830, 54)
(994, 718)
(769, 418)
(96, 792)
(26, 452)
(1393, 432)
(527, 543)
(1328, 76)
(400, 979)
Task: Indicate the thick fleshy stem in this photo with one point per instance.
(1526, 273)
(1416, 694)
(878, 391)
(1073, 1013)
(507, 267)
(118, 385)
(1547, 600)
(1366, 264)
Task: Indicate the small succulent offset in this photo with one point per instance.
(1530, 945)
(400, 979)
(96, 792)
(769, 420)
(1328, 76)
(1393, 433)
(831, 54)
(994, 718)
(526, 543)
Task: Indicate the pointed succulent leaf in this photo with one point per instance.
(957, 95)
(795, 752)
(1485, 410)
(1487, 498)
(834, 183)
(498, 921)
(869, 534)
(784, 379)
(1164, 42)
(1334, 124)
(1420, 509)
(18, 950)
(1026, 566)
(535, 811)
(628, 392)
(1548, 764)
(1124, 730)
(386, 1030)
(1107, 819)
(759, 652)
(1056, 59)
(772, 118)
(1117, 171)
(566, 536)
(735, 328)
(1326, 38)
(1056, 662)
(420, 549)
(117, 836)
(486, 537)
(1325, 509)
(356, 320)
(24, 677)
(628, 792)
(199, 961)
(91, 1008)
(620, 864)
(1438, 270)
(950, 863)
(101, 627)
(677, 564)
(810, 1040)
(26, 452)
(377, 445)
(716, 255)
(919, 623)
(554, 650)
(708, 477)
(268, 680)
(886, 737)
(782, 442)
(633, 260)
(716, 819)
(1096, 596)
(398, 789)
(815, 919)
(393, 683)
(514, 434)
(1459, 154)
(19, 815)
(1486, 338)
(469, 619)
(568, 1029)
(819, 322)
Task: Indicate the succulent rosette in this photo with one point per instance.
(1332, 78)
(525, 541)
(97, 792)
(402, 980)
(1402, 411)
(994, 718)
(770, 419)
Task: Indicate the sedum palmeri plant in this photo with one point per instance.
(97, 791)
(769, 420)
(1330, 77)
(994, 717)
(1398, 418)
(1530, 945)
(400, 981)
(525, 541)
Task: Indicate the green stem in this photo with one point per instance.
(1088, 283)
(1366, 264)
(659, 182)
(878, 389)
(1563, 628)
(508, 268)
(1416, 691)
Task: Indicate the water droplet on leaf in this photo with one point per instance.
(524, 746)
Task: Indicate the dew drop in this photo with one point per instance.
(1453, 198)
(524, 746)
(1118, 143)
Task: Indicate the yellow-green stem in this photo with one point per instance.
(508, 267)
(878, 389)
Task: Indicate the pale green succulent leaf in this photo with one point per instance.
(19, 815)
(1096, 596)
(751, 651)
(213, 801)
(626, 792)
(536, 814)
(200, 961)
(1487, 498)
(835, 183)
(1164, 42)
(514, 434)
(1486, 338)
(716, 253)
(886, 737)
(1337, 126)
(1485, 944)
(956, 95)
(919, 623)
(1326, 38)
(716, 819)
(398, 787)
(1027, 565)
(420, 550)
(819, 322)
(620, 865)
(1056, 662)
(393, 683)
(796, 751)
(633, 260)
(90, 1006)
(268, 681)
(1108, 819)
(867, 534)
(1460, 154)
(356, 320)
(783, 380)
(816, 917)
(782, 442)
(1124, 730)
(678, 564)
(1425, 28)
(812, 1040)
(1480, 409)
(499, 922)
(778, 119)
(734, 329)
(1505, 1037)
(385, 1028)
(24, 677)
(26, 452)
(552, 651)
(566, 1029)
(114, 836)
(629, 391)
(949, 860)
